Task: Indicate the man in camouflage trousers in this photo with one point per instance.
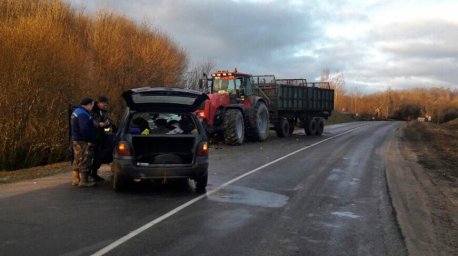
(82, 138)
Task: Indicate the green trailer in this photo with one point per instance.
(293, 100)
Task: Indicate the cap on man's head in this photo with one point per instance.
(86, 101)
(103, 99)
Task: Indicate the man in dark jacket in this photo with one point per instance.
(99, 114)
(83, 134)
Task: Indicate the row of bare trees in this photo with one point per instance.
(52, 55)
(441, 104)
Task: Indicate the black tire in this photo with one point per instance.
(291, 126)
(282, 128)
(234, 127)
(319, 126)
(311, 127)
(259, 122)
(119, 183)
(201, 184)
(306, 124)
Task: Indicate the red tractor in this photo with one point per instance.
(233, 110)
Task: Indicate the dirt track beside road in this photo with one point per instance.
(426, 207)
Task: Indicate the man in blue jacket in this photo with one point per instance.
(83, 136)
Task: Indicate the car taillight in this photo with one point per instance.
(203, 149)
(123, 149)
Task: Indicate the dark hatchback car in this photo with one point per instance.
(161, 138)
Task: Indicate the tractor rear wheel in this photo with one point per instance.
(234, 127)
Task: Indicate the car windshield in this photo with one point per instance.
(155, 123)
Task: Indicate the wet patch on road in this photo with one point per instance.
(249, 196)
(346, 214)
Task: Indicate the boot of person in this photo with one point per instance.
(94, 174)
(84, 180)
(97, 178)
(75, 178)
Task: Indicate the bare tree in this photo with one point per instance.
(325, 75)
(337, 82)
(194, 74)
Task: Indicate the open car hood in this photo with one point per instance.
(163, 99)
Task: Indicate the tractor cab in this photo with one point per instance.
(237, 85)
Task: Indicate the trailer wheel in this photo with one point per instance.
(234, 127)
(260, 122)
(311, 127)
(291, 126)
(306, 124)
(282, 128)
(319, 126)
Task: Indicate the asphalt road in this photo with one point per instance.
(293, 196)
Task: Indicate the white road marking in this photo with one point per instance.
(150, 224)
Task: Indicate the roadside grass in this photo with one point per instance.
(437, 146)
(339, 117)
(34, 172)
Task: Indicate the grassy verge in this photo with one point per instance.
(338, 117)
(437, 146)
(34, 172)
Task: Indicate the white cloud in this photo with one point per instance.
(375, 43)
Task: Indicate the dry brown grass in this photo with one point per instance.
(339, 117)
(437, 145)
(34, 172)
(52, 55)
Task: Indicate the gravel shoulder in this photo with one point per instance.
(426, 206)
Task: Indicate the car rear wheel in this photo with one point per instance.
(119, 183)
(201, 184)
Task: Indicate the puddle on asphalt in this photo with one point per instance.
(249, 196)
(346, 214)
(354, 181)
(333, 177)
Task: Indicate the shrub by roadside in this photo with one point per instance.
(339, 117)
(437, 145)
(52, 54)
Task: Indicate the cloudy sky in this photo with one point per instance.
(376, 44)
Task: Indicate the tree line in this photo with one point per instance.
(440, 104)
(52, 55)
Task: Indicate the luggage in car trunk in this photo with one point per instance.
(163, 149)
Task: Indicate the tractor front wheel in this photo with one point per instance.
(234, 127)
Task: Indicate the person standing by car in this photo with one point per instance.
(82, 139)
(100, 117)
